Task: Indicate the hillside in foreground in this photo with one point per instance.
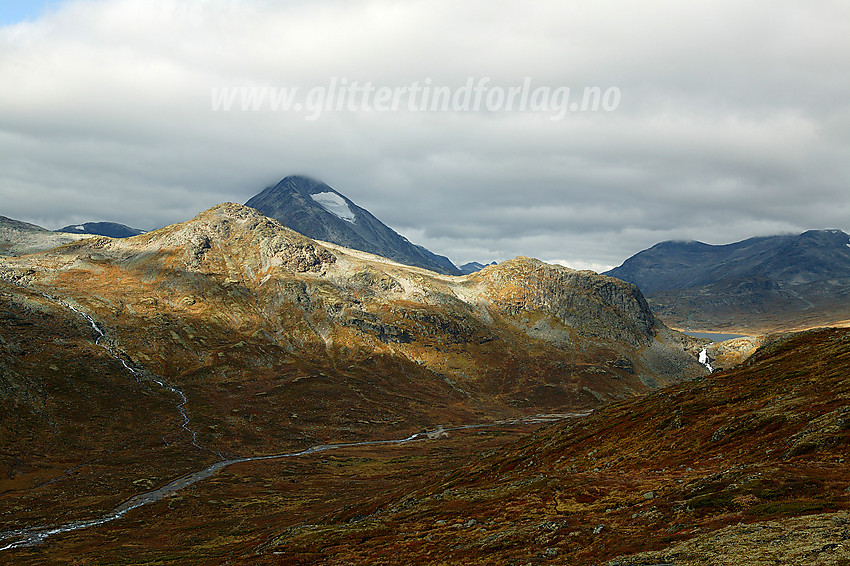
(743, 467)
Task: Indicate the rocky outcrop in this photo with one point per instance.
(593, 305)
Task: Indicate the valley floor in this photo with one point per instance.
(747, 467)
(247, 512)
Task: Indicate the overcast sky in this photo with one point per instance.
(720, 120)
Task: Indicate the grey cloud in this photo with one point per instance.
(733, 119)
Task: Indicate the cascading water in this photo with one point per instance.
(703, 359)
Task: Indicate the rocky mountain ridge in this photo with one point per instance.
(454, 326)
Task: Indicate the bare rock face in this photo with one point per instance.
(591, 304)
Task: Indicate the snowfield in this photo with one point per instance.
(334, 204)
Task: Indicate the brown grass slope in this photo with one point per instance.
(757, 445)
(76, 428)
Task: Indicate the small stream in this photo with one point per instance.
(138, 375)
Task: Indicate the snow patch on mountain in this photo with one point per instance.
(334, 204)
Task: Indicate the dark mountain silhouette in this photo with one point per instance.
(318, 211)
(474, 266)
(110, 229)
(790, 280)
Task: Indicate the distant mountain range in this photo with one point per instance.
(19, 238)
(111, 229)
(474, 266)
(766, 282)
(318, 211)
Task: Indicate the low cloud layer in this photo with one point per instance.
(730, 120)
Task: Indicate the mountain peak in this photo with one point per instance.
(301, 184)
(230, 240)
(229, 221)
(318, 211)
